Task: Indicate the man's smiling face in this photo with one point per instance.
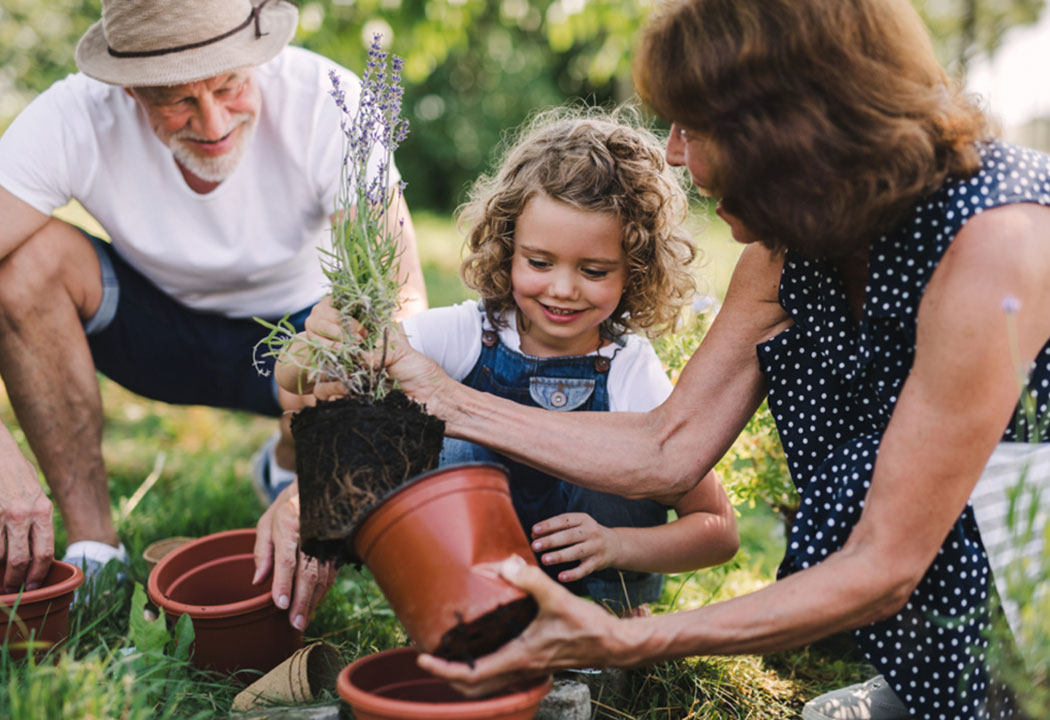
(207, 124)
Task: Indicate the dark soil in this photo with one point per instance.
(468, 641)
(348, 457)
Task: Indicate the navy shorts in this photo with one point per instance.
(153, 345)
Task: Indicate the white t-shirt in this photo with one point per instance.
(247, 248)
(451, 336)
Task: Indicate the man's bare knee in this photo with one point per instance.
(57, 258)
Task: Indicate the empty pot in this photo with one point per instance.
(41, 615)
(236, 624)
(390, 686)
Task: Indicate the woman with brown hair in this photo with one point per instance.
(885, 230)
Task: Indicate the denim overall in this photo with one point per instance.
(560, 384)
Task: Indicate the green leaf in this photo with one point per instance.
(148, 636)
(183, 638)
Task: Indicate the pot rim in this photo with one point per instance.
(48, 592)
(411, 482)
(480, 709)
(241, 607)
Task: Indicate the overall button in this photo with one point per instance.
(558, 399)
(601, 364)
(488, 338)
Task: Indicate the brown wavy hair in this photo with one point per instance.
(597, 161)
(827, 118)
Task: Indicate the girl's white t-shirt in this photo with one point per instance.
(451, 336)
(249, 247)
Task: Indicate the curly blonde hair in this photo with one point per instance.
(597, 161)
(827, 118)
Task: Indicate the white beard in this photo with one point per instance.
(218, 168)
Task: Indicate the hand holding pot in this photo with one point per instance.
(299, 581)
(567, 633)
(25, 520)
(580, 538)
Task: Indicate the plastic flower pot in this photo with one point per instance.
(39, 618)
(390, 686)
(236, 624)
(432, 546)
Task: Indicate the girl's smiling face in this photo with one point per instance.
(568, 272)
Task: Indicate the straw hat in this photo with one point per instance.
(160, 42)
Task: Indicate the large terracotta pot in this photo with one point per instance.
(41, 615)
(432, 546)
(391, 686)
(236, 625)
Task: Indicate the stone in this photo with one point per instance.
(316, 712)
(567, 700)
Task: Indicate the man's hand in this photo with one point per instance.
(277, 549)
(25, 520)
(581, 538)
(567, 633)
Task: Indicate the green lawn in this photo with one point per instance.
(202, 456)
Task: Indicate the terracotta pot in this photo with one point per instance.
(41, 615)
(432, 546)
(236, 624)
(156, 552)
(390, 686)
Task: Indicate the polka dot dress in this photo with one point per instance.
(833, 386)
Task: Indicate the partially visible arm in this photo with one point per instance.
(20, 221)
(413, 286)
(660, 454)
(25, 511)
(703, 534)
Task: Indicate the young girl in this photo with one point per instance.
(575, 245)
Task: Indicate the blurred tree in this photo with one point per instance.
(476, 68)
(473, 68)
(964, 28)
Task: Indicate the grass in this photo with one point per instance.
(201, 460)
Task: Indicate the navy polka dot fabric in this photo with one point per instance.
(833, 385)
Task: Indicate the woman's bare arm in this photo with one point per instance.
(660, 454)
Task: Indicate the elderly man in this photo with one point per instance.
(210, 152)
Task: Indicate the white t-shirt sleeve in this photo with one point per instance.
(451, 336)
(35, 150)
(637, 381)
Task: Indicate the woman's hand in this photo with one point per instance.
(567, 633)
(581, 538)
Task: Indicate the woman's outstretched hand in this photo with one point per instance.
(567, 633)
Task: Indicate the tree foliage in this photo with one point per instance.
(473, 68)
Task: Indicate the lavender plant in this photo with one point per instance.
(362, 265)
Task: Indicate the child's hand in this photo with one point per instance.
(580, 537)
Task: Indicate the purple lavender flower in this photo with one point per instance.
(1011, 305)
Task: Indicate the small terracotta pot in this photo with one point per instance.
(391, 686)
(236, 624)
(432, 547)
(40, 615)
(156, 552)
